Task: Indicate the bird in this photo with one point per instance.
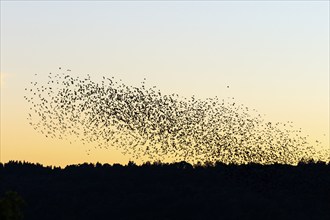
(142, 121)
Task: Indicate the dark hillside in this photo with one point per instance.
(169, 191)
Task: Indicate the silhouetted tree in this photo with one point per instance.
(165, 191)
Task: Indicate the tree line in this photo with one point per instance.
(165, 191)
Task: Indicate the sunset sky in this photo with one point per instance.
(274, 55)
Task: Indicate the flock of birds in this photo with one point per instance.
(145, 123)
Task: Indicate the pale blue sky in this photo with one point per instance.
(273, 54)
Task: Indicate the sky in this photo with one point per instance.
(274, 55)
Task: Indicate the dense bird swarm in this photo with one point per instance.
(145, 123)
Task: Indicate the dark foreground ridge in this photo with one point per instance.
(165, 191)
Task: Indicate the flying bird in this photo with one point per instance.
(145, 123)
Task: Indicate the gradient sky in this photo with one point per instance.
(273, 54)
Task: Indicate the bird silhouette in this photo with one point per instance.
(143, 122)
